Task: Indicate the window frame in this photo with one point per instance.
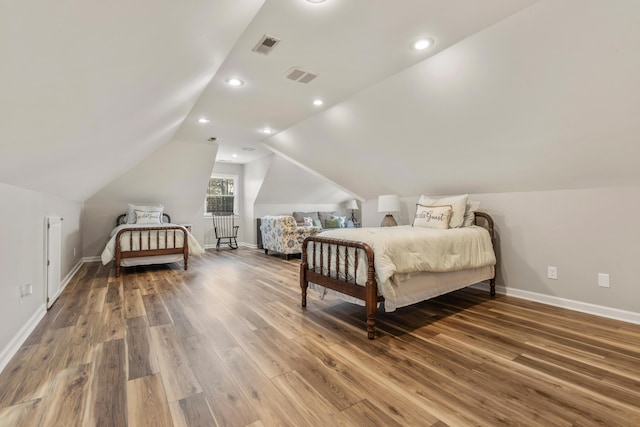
(235, 192)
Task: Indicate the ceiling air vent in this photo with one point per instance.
(266, 44)
(299, 75)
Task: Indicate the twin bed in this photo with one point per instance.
(150, 238)
(398, 266)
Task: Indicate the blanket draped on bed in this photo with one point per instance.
(405, 249)
(109, 251)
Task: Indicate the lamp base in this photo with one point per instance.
(388, 221)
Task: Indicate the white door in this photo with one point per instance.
(53, 261)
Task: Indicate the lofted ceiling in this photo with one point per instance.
(89, 88)
(518, 94)
(350, 45)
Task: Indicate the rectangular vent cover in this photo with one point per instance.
(266, 44)
(299, 75)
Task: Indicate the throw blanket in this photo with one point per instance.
(407, 249)
(109, 251)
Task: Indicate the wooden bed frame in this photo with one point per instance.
(322, 275)
(157, 231)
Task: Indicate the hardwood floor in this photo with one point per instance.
(227, 344)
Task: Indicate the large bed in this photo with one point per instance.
(149, 242)
(398, 266)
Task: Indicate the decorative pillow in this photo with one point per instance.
(308, 221)
(470, 213)
(131, 215)
(332, 222)
(432, 216)
(317, 223)
(147, 217)
(299, 216)
(458, 207)
(324, 216)
(343, 220)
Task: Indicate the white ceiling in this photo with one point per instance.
(351, 45)
(89, 88)
(533, 94)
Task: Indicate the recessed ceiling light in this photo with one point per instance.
(422, 44)
(317, 102)
(234, 81)
(203, 120)
(316, 1)
(234, 155)
(266, 131)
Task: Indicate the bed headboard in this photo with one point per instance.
(120, 220)
(484, 220)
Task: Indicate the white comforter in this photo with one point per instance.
(109, 251)
(405, 250)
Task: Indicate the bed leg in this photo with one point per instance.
(492, 287)
(371, 307)
(117, 270)
(304, 284)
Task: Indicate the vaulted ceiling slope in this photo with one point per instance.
(545, 99)
(89, 88)
(349, 45)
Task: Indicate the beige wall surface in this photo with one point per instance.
(581, 232)
(176, 175)
(22, 253)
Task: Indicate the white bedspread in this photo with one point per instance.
(404, 250)
(109, 251)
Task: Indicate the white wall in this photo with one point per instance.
(176, 175)
(581, 232)
(254, 174)
(22, 260)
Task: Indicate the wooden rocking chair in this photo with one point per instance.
(225, 229)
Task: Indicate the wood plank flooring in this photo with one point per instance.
(227, 344)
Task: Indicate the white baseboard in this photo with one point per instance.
(584, 307)
(14, 345)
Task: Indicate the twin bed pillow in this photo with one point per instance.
(148, 217)
(462, 211)
(432, 216)
(142, 210)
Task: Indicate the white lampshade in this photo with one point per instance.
(353, 204)
(388, 203)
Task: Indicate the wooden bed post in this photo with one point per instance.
(371, 296)
(304, 284)
(371, 307)
(492, 232)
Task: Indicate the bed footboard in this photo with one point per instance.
(140, 238)
(319, 254)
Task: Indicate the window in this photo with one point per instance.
(220, 194)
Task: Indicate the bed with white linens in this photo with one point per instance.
(450, 245)
(145, 236)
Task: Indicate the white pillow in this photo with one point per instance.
(458, 207)
(131, 215)
(432, 216)
(308, 221)
(470, 213)
(147, 217)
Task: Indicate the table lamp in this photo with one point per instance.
(388, 203)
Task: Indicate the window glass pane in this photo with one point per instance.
(220, 195)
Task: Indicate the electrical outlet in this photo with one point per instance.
(26, 290)
(74, 251)
(552, 272)
(603, 280)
